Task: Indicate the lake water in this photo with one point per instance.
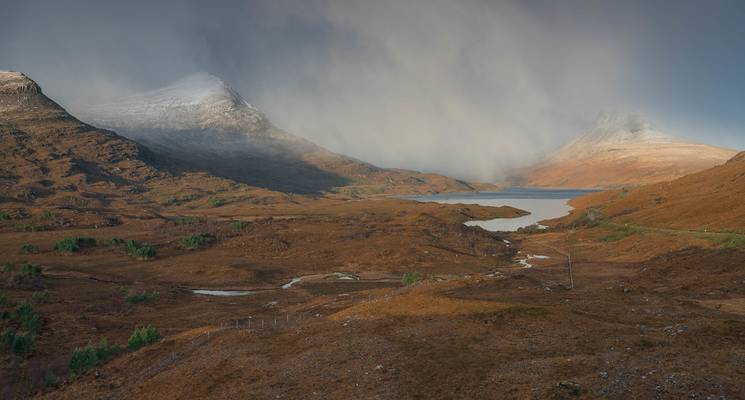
(541, 203)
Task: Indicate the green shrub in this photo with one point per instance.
(24, 310)
(142, 337)
(29, 248)
(187, 220)
(410, 278)
(40, 297)
(6, 339)
(51, 381)
(215, 202)
(21, 344)
(592, 217)
(197, 240)
(31, 322)
(48, 216)
(30, 270)
(4, 216)
(143, 297)
(238, 225)
(74, 244)
(8, 268)
(91, 356)
(138, 250)
(115, 242)
(18, 344)
(174, 200)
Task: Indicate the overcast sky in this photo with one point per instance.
(468, 88)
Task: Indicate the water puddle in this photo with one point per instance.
(345, 276)
(222, 293)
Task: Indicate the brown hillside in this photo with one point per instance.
(713, 199)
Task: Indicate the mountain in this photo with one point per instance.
(47, 152)
(205, 124)
(621, 150)
(50, 159)
(708, 200)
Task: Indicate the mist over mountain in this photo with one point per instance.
(468, 89)
(622, 150)
(205, 124)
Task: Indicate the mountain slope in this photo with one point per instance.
(622, 150)
(45, 150)
(202, 122)
(713, 199)
(50, 159)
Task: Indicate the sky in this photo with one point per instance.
(468, 88)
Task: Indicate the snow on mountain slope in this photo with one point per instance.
(622, 150)
(197, 102)
(617, 129)
(203, 123)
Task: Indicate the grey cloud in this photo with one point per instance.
(467, 88)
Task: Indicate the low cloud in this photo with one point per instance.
(467, 88)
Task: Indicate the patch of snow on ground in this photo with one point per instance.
(292, 282)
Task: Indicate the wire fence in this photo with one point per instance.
(248, 324)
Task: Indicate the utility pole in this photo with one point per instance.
(569, 258)
(571, 278)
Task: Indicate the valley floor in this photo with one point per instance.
(651, 315)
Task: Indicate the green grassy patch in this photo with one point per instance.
(238, 225)
(28, 248)
(92, 355)
(197, 241)
(215, 202)
(51, 381)
(139, 250)
(30, 270)
(48, 215)
(19, 344)
(620, 233)
(74, 244)
(730, 241)
(411, 278)
(143, 297)
(187, 220)
(142, 337)
(40, 297)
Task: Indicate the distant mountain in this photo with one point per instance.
(621, 150)
(202, 122)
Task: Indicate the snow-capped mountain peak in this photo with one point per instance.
(614, 129)
(196, 102)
